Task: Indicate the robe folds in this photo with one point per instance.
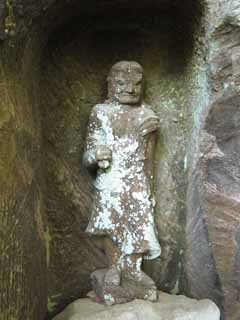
(123, 206)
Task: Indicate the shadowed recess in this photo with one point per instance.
(85, 40)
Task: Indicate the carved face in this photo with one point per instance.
(125, 83)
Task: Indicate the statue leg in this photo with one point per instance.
(107, 282)
(132, 267)
(113, 253)
(137, 281)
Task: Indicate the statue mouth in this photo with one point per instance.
(127, 95)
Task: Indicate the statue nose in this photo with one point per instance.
(129, 88)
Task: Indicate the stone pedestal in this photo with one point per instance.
(113, 293)
(168, 307)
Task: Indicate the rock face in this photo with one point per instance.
(212, 233)
(168, 307)
(73, 81)
(221, 192)
(52, 70)
(23, 290)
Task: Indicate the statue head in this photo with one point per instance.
(125, 83)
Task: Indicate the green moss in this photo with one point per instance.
(10, 23)
(7, 107)
(7, 159)
(47, 238)
(6, 113)
(175, 290)
(51, 304)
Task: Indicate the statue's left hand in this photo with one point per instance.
(103, 156)
(149, 125)
(104, 164)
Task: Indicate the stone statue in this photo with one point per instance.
(119, 145)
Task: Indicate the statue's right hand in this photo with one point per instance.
(103, 153)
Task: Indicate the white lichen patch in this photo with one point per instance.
(122, 209)
(108, 299)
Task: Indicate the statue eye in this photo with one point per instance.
(120, 82)
(139, 83)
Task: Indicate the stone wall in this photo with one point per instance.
(212, 254)
(54, 61)
(73, 80)
(22, 246)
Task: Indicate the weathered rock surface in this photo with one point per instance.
(23, 292)
(191, 81)
(212, 230)
(73, 80)
(169, 307)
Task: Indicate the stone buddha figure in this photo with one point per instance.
(120, 143)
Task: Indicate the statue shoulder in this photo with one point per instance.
(148, 109)
(100, 113)
(96, 110)
(101, 107)
(97, 107)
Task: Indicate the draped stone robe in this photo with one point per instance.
(123, 207)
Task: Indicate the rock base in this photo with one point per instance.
(108, 294)
(113, 293)
(168, 307)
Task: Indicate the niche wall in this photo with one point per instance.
(164, 37)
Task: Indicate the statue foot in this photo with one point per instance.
(116, 295)
(107, 289)
(141, 286)
(112, 277)
(140, 278)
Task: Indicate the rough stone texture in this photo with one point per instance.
(22, 245)
(212, 253)
(2, 17)
(73, 81)
(169, 307)
(112, 293)
(119, 149)
(221, 189)
(187, 78)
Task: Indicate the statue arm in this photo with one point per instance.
(149, 158)
(94, 138)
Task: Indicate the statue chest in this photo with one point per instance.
(125, 123)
